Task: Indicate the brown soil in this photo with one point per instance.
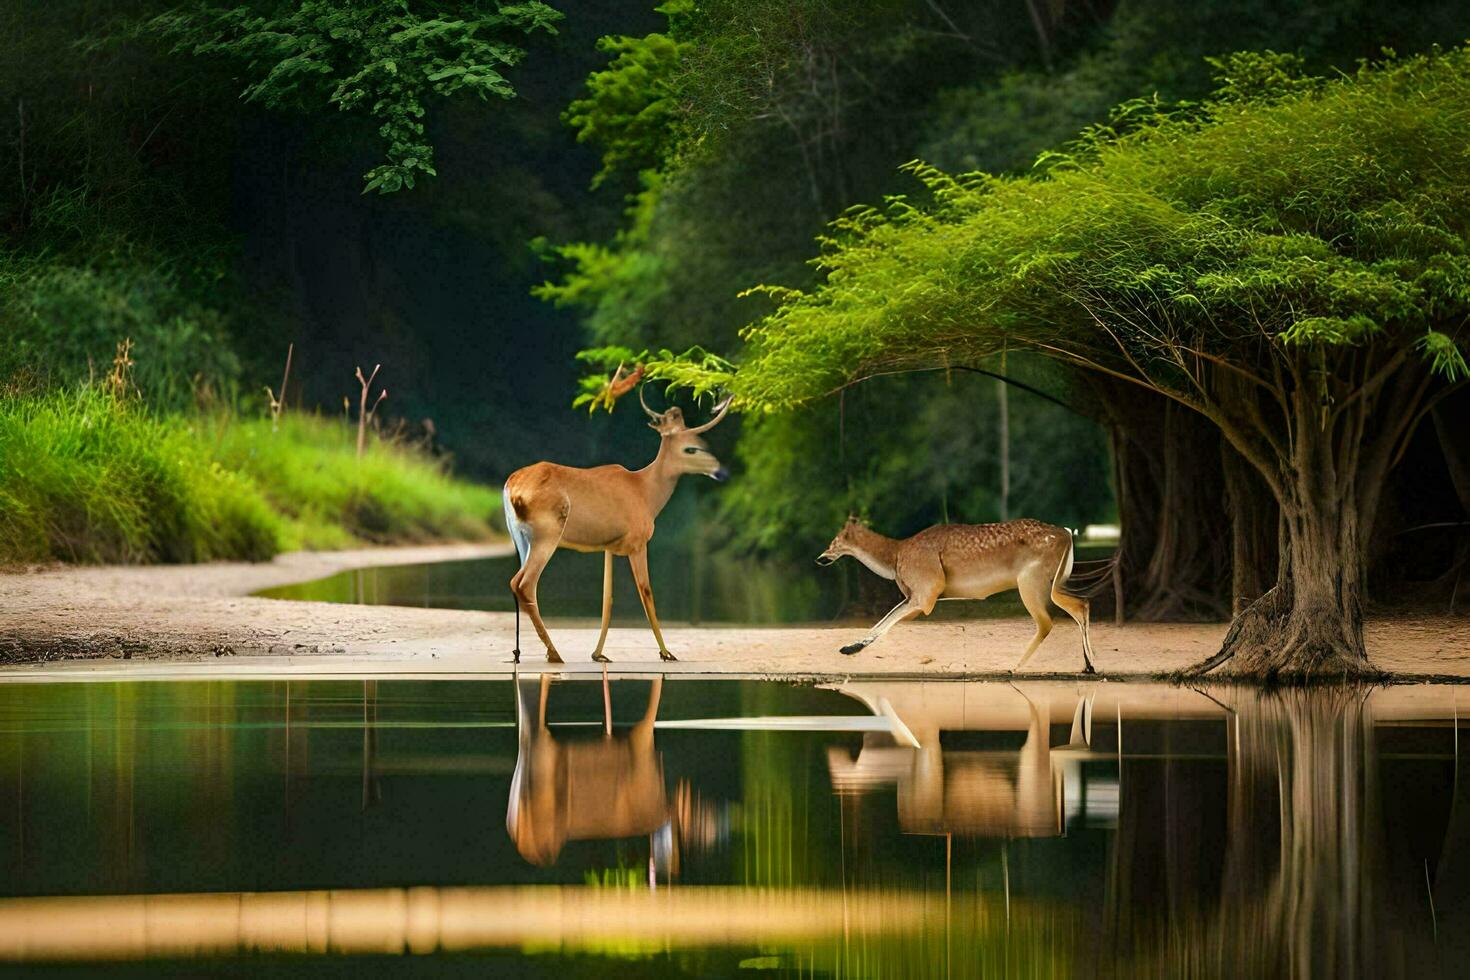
(96, 618)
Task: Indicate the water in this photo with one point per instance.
(877, 829)
(724, 589)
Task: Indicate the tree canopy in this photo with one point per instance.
(1330, 220)
(382, 60)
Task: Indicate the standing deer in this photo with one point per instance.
(605, 508)
(969, 561)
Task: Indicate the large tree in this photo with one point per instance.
(1290, 261)
(754, 123)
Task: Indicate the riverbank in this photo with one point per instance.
(139, 621)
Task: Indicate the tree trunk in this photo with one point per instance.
(1136, 485)
(1454, 442)
(1309, 625)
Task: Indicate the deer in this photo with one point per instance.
(969, 561)
(603, 508)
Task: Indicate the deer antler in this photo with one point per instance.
(720, 411)
(651, 413)
(621, 384)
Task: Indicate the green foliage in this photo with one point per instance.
(107, 231)
(63, 324)
(1260, 76)
(630, 107)
(749, 125)
(383, 60)
(619, 285)
(1327, 218)
(92, 478)
(696, 369)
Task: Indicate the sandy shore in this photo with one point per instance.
(201, 620)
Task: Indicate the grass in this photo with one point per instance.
(87, 478)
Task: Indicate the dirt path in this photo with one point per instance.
(201, 620)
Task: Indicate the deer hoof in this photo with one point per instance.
(515, 655)
(598, 656)
(852, 648)
(666, 655)
(552, 657)
(1088, 670)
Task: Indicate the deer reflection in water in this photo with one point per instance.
(1001, 793)
(1274, 858)
(582, 789)
(599, 789)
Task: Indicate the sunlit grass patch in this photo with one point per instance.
(86, 477)
(310, 473)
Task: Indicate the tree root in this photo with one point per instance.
(1268, 643)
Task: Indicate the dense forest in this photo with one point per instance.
(468, 194)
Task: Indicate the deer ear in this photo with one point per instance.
(671, 421)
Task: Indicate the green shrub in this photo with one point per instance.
(71, 320)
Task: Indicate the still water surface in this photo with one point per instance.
(722, 589)
(712, 828)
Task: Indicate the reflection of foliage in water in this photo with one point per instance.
(784, 826)
(976, 936)
(972, 937)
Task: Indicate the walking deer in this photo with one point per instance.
(969, 561)
(605, 508)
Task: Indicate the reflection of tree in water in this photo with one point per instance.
(1304, 889)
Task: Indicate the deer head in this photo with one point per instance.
(843, 543)
(683, 445)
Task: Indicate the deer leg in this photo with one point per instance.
(1078, 608)
(542, 545)
(1033, 591)
(922, 583)
(904, 610)
(913, 606)
(545, 693)
(515, 653)
(515, 597)
(638, 561)
(607, 557)
(641, 736)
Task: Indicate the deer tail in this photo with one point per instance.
(518, 531)
(1064, 567)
